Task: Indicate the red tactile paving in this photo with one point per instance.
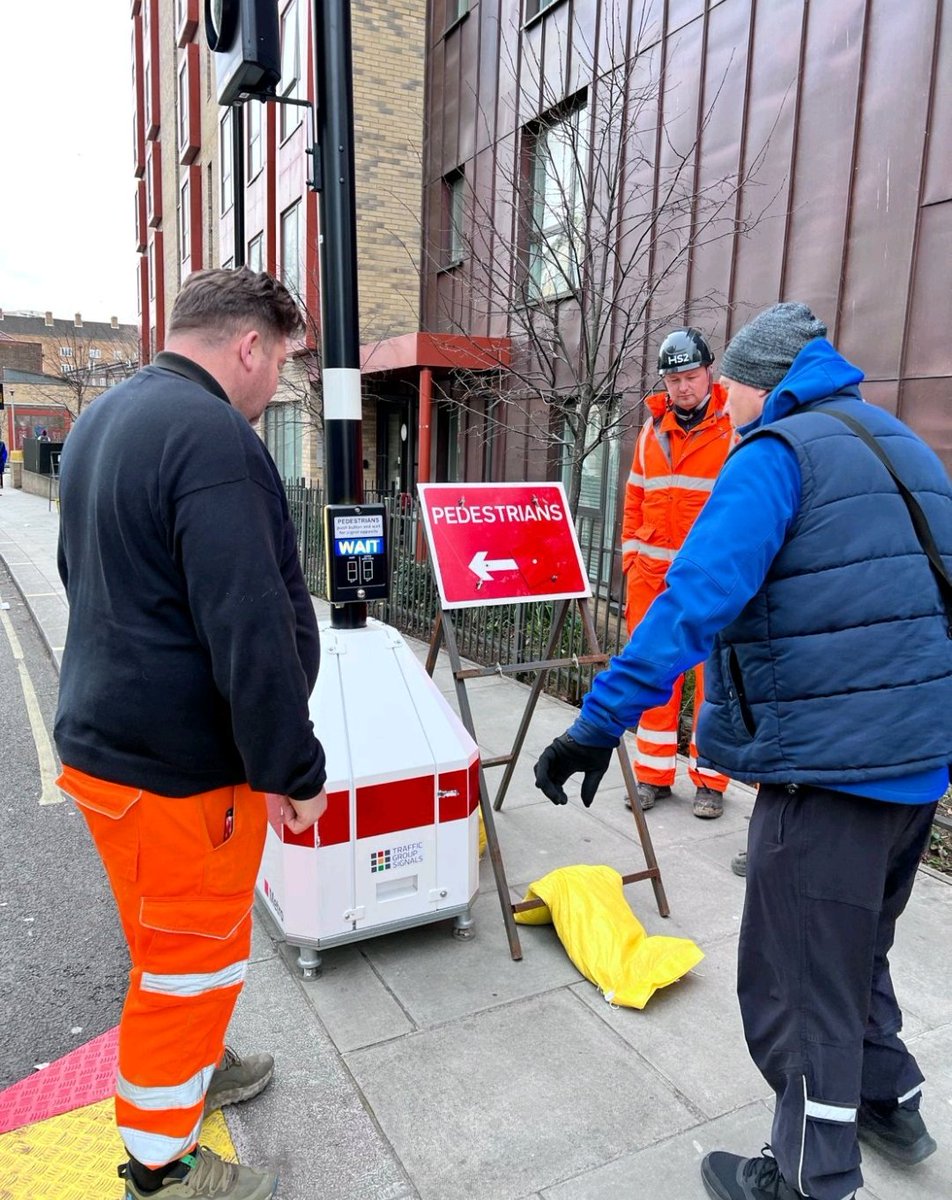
(84, 1076)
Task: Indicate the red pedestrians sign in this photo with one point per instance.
(494, 543)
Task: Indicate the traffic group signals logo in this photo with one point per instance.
(379, 861)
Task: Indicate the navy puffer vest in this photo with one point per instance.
(840, 668)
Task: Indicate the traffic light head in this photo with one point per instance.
(245, 38)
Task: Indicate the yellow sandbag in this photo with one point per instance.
(604, 938)
(482, 834)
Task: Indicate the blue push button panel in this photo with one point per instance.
(358, 563)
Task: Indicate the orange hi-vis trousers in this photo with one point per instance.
(183, 871)
(656, 738)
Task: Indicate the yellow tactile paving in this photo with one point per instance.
(74, 1156)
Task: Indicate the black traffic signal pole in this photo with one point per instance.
(343, 453)
(238, 183)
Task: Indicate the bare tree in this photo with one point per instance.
(300, 392)
(88, 366)
(580, 250)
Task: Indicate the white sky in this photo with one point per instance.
(67, 227)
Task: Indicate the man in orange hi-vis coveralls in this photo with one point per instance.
(678, 454)
(191, 653)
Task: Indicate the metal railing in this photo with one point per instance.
(499, 633)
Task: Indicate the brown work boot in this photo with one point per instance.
(204, 1175)
(708, 803)
(648, 793)
(237, 1079)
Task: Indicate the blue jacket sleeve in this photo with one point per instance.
(720, 567)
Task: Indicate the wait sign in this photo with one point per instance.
(495, 543)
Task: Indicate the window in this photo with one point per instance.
(456, 10)
(256, 253)
(452, 445)
(454, 186)
(534, 7)
(226, 158)
(595, 519)
(253, 111)
(94, 353)
(209, 218)
(183, 107)
(293, 64)
(184, 222)
(282, 436)
(291, 249)
(66, 351)
(557, 206)
(493, 417)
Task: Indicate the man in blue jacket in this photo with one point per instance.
(805, 586)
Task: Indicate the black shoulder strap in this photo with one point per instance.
(918, 517)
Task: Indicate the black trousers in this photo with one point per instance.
(828, 874)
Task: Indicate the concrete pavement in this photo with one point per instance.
(420, 1066)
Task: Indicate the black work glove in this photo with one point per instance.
(564, 757)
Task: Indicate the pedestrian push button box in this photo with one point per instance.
(358, 560)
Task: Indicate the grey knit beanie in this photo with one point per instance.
(760, 354)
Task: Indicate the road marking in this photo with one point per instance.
(50, 793)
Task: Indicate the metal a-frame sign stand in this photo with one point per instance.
(540, 549)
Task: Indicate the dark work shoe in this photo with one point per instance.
(731, 1177)
(648, 793)
(899, 1133)
(238, 1079)
(739, 864)
(708, 803)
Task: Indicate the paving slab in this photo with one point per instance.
(537, 838)
(669, 1170)
(347, 972)
(311, 1124)
(509, 1101)
(921, 962)
(672, 821)
(437, 978)
(691, 1033)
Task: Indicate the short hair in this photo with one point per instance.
(220, 303)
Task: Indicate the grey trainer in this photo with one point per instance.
(203, 1175)
(238, 1079)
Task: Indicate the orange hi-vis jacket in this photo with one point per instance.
(672, 473)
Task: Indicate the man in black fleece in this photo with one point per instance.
(191, 653)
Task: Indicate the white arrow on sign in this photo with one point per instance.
(483, 567)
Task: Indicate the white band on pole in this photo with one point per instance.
(341, 393)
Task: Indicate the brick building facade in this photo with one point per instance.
(187, 191)
(51, 367)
